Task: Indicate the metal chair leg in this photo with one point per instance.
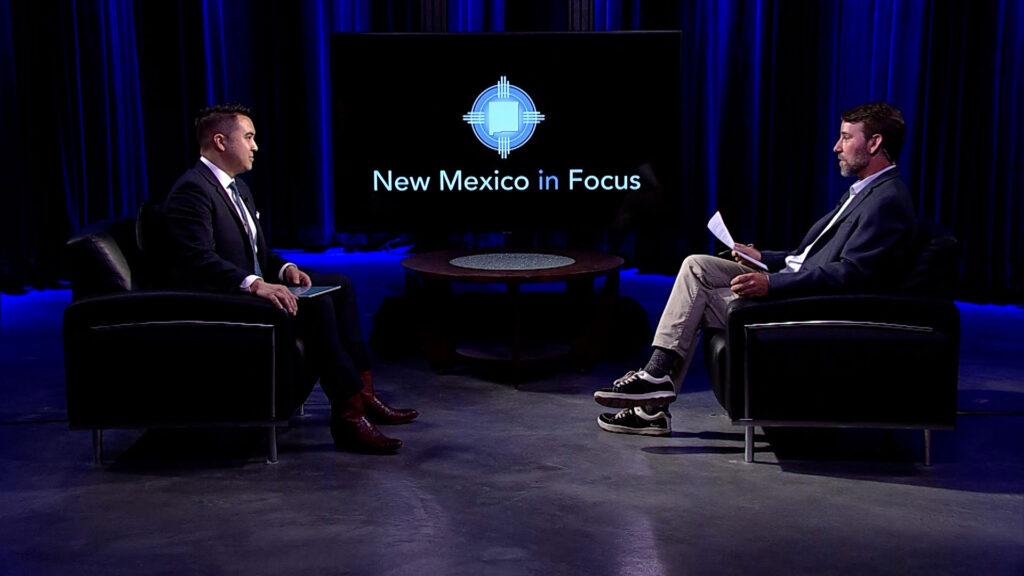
(97, 447)
(927, 447)
(272, 456)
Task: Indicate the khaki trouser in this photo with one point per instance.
(699, 299)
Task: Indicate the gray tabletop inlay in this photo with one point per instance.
(511, 261)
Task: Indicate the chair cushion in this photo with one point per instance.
(935, 255)
(152, 234)
(716, 362)
(101, 258)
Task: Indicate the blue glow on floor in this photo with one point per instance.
(335, 256)
(33, 309)
(1008, 311)
(651, 290)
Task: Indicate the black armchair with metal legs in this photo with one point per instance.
(139, 357)
(854, 360)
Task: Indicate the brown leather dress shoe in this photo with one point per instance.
(380, 413)
(361, 435)
(376, 410)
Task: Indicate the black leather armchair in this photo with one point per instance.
(140, 357)
(861, 360)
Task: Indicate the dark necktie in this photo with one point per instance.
(237, 199)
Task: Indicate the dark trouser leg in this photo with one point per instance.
(330, 327)
(346, 316)
(350, 336)
(318, 323)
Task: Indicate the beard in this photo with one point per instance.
(851, 165)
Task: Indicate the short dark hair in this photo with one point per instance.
(884, 119)
(218, 118)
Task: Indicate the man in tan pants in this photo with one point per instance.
(857, 246)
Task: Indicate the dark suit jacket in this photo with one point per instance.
(208, 244)
(862, 252)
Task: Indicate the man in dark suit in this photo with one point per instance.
(216, 244)
(858, 246)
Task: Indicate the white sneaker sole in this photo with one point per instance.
(637, 431)
(620, 400)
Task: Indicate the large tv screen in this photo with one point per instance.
(501, 131)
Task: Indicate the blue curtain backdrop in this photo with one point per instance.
(97, 99)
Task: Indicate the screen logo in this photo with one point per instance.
(503, 117)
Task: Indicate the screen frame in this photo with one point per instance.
(360, 209)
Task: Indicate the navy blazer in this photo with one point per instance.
(208, 244)
(862, 252)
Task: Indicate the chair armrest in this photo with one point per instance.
(887, 309)
(177, 358)
(163, 306)
(878, 359)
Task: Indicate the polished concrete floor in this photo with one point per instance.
(495, 479)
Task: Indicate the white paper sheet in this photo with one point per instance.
(721, 231)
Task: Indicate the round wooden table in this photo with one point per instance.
(578, 269)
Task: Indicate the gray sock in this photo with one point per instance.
(662, 362)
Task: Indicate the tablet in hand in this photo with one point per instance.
(310, 291)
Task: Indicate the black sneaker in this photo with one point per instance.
(637, 389)
(637, 421)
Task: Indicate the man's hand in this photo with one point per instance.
(748, 250)
(295, 277)
(278, 294)
(750, 285)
